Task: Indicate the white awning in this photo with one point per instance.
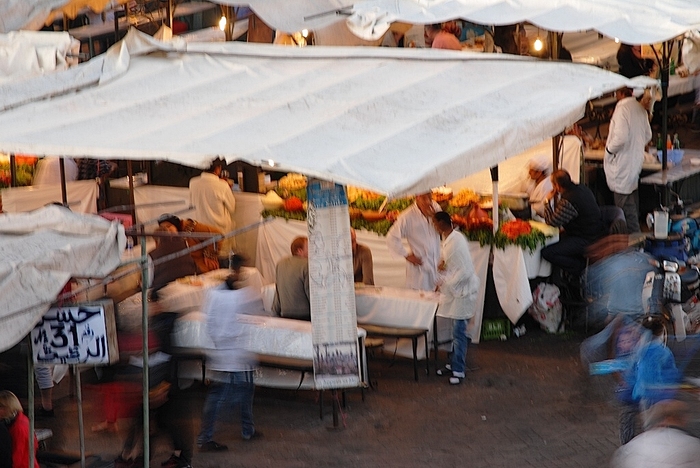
(398, 121)
(632, 21)
(41, 250)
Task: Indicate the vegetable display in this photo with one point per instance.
(364, 210)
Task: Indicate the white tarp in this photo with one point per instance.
(29, 53)
(634, 22)
(395, 121)
(41, 250)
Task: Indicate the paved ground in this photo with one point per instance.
(528, 404)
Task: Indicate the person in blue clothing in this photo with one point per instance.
(656, 375)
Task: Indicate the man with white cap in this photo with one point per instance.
(628, 135)
(539, 170)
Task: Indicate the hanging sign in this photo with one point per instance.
(76, 334)
(332, 288)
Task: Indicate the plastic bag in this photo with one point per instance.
(546, 307)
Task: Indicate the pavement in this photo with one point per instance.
(528, 403)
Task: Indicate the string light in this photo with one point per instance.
(222, 23)
(538, 44)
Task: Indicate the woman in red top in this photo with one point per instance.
(18, 425)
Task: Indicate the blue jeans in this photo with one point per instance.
(238, 390)
(459, 347)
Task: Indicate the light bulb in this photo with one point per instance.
(538, 44)
(305, 32)
(270, 163)
(222, 23)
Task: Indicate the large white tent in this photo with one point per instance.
(395, 121)
(631, 21)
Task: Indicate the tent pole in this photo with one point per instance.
(494, 180)
(30, 397)
(81, 423)
(144, 329)
(64, 195)
(13, 170)
(130, 178)
(169, 12)
(664, 65)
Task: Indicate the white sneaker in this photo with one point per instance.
(445, 370)
(455, 381)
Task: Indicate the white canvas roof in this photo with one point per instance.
(41, 250)
(395, 121)
(632, 21)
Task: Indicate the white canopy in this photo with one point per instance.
(632, 21)
(41, 250)
(25, 53)
(395, 121)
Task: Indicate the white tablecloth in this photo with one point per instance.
(273, 336)
(183, 296)
(81, 196)
(678, 85)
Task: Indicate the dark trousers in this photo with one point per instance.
(568, 254)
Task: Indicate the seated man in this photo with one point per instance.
(292, 288)
(572, 208)
(362, 268)
(539, 170)
(207, 258)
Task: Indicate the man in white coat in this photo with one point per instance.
(628, 134)
(214, 203)
(459, 286)
(415, 224)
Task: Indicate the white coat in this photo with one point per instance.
(223, 309)
(539, 193)
(213, 201)
(628, 134)
(424, 242)
(459, 284)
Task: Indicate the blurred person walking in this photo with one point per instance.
(665, 443)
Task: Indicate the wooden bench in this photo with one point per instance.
(412, 333)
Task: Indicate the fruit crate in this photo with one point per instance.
(493, 329)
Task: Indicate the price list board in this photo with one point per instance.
(331, 287)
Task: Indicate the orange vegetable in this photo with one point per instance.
(293, 204)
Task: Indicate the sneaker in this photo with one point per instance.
(256, 435)
(455, 380)
(212, 446)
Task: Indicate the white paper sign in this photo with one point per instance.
(71, 335)
(332, 288)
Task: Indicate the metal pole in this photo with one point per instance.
(64, 195)
(81, 424)
(144, 328)
(130, 178)
(664, 65)
(494, 180)
(30, 395)
(13, 170)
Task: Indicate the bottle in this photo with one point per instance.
(676, 142)
(129, 243)
(659, 142)
(669, 145)
(672, 67)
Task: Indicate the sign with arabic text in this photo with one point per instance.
(76, 334)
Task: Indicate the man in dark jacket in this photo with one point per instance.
(573, 209)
